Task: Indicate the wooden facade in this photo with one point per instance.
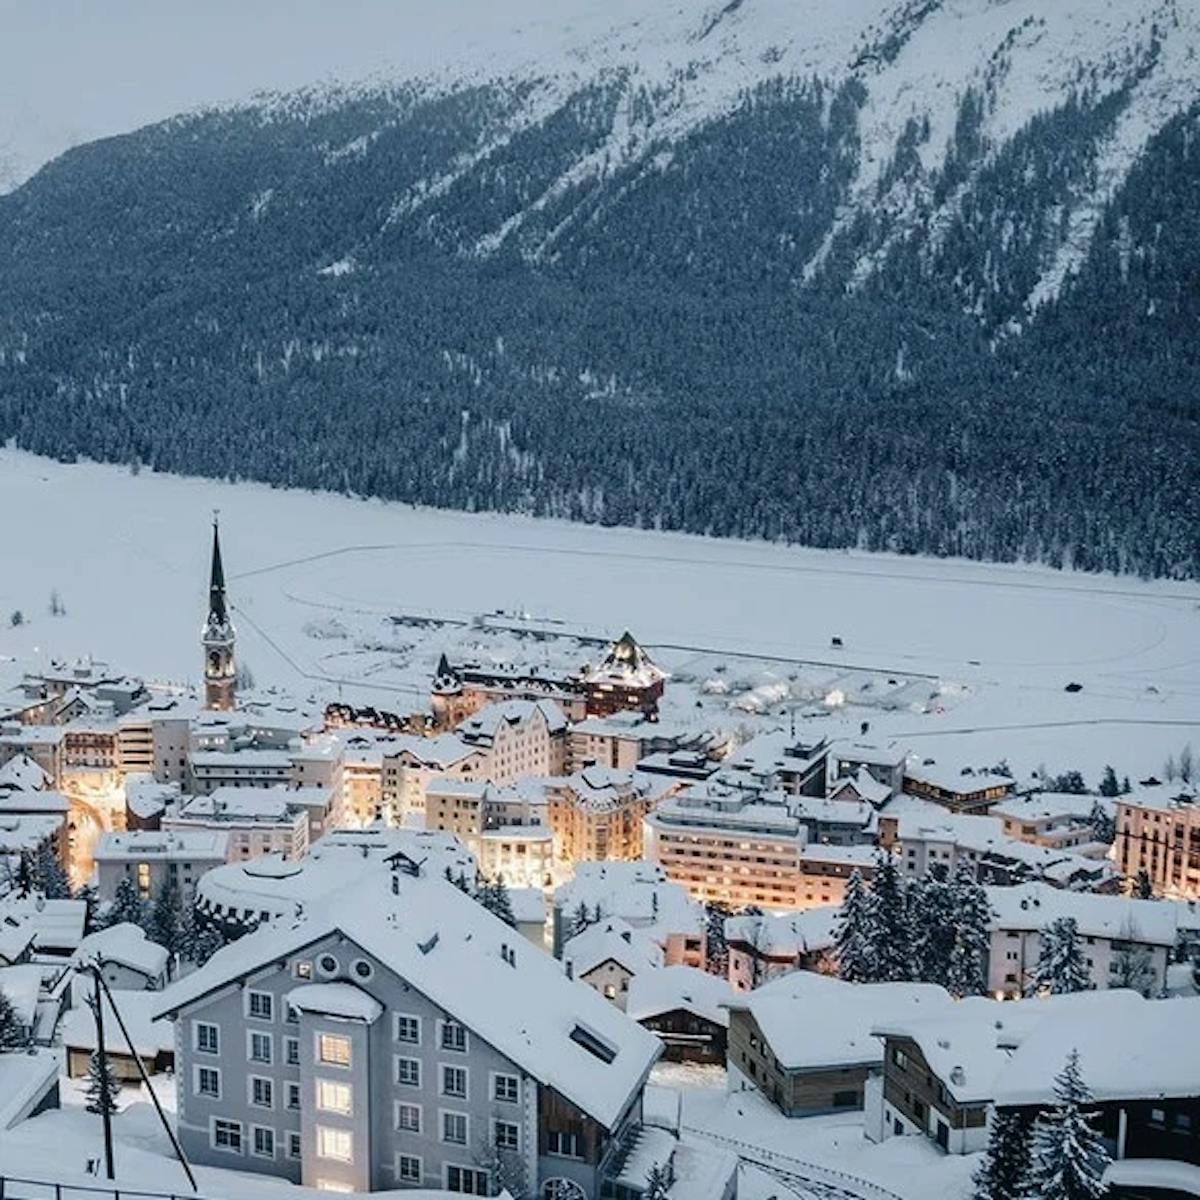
(688, 1037)
(912, 1089)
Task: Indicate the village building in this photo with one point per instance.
(686, 1009)
(255, 821)
(608, 955)
(761, 947)
(1058, 820)
(599, 813)
(1158, 831)
(150, 858)
(961, 791)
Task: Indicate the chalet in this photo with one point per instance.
(962, 791)
(686, 1009)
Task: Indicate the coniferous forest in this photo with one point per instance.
(314, 294)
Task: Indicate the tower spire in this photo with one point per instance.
(216, 582)
(218, 637)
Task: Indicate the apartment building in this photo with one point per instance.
(961, 791)
(624, 739)
(1059, 820)
(780, 762)
(598, 813)
(520, 738)
(884, 764)
(150, 858)
(412, 763)
(402, 1036)
(256, 821)
(1158, 831)
(761, 947)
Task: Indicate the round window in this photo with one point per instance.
(363, 969)
(327, 964)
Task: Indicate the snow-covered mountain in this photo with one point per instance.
(830, 271)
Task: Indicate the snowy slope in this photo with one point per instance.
(133, 62)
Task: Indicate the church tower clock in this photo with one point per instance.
(220, 669)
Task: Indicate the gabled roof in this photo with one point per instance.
(652, 993)
(611, 940)
(475, 968)
(127, 945)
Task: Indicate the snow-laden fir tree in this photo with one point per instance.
(659, 1180)
(1109, 786)
(199, 940)
(49, 878)
(853, 935)
(967, 973)
(1143, 887)
(126, 906)
(102, 1089)
(1104, 828)
(164, 922)
(890, 940)
(716, 948)
(493, 895)
(1069, 1157)
(1061, 966)
(1003, 1173)
(13, 1035)
(932, 918)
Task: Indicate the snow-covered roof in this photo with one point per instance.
(445, 750)
(16, 937)
(342, 1000)
(1162, 796)
(599, 789)
(870, 754)
(465, 960)
(127, 945)
(638, 892)
(1159, 1176)
(1033, 906)
(26, 831)
(57, 924)
(482, 727)
(786, 934)
(652, 993)
(528, 905)
(219, 759)
(22, 985)
(957, 780)
(815, 1022)
(145, 797)
(865, 785)
(22, 774)
(149, 844)
(150, 1034)
(24, 1080)
(1053, 806)
(627, 665)
(611, 940)
(234, 804)
(1129, 1049)
(42, 802)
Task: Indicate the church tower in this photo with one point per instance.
(220, 670)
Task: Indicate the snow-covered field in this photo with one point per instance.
(316, 579)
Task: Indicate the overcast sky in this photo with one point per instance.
(75, 70)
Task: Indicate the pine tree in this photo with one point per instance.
(1003, 1174)
(854, 934)
(165, 919)
(580, 920)
(1108, 785)
(102, 1089)
(1104, 828)
(91, 899)
(716, 949)
(1061, 965)
(967, 975)
(1068, 1156)
(493, 895)
(1143, 888)
(932, 918)
(199, 940)
(13, 1035)
(126, 906)
(49, 878)
(891, 943)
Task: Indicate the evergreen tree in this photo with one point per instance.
(658, 1182)
(716, 949)
(580, 920)
(91, 900)
(933, 917)
(1003, 1173)
(126, 906)
(855, 934)
(13, 1035)
(49, 878)
(102, 1089)
(1143, 888)
(967, 974)
(164, 922)
(1068, 1156)
(1108, 784)
(1104, 828)
(1061, 965)
(891, 942)
(493, 895)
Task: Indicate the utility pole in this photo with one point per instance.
(105, 1106)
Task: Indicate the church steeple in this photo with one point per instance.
(218, 636)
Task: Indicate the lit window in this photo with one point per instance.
(335, 1144)
(333, 1049)
(143, 878)
(334, 1097)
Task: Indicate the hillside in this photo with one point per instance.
(916, 276)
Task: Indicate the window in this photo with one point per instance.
(408, 1168)
(227, 1135)
(143, 878)
(565, 1145)
(291, 1014)
(206, 1081)
(468, 1181)
(454, 1128)
(899, 1058)
(207, 1038)
(292, 1092)
(333, 1049)
(293, 1145)
(506, 1135)
(260, 1006)
(408, 1072)
(327, 964)
(454, 1036)
(291, 1051)
(302, 969)
(337, 1144)
(334, 1097)
(262, 1093)
(362, 968)
(408, 1029)
(454, 1081)
(506, 1088)
(262, 1141)
(408, 1117)
(259, 1047)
